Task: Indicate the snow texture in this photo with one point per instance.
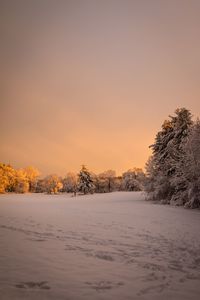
(102, 246)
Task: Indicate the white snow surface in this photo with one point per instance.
(113, 246)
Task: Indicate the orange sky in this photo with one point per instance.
(92, 81)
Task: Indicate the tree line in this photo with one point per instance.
(172, 173)
(28, 180)
(173, 170)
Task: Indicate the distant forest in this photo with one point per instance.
(172, 173)
(28, 180)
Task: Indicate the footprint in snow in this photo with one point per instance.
(43, 285)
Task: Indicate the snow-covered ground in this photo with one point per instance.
(107, 246)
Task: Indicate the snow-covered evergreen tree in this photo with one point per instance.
(182, 124)
(85, 182)
(157, 183)
(166, 176)
(191, 168)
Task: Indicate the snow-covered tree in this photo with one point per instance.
(32, 175)
(167, 176)
(52, 184)
(182, 125)
(85, 181)
(21, 181)
(70, 183)
(41, 186)
(132, 180)
(191, 168)
(7, 178)
(107, 179)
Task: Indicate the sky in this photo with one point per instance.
(91, 81)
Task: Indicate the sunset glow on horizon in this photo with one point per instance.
(90, 82)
